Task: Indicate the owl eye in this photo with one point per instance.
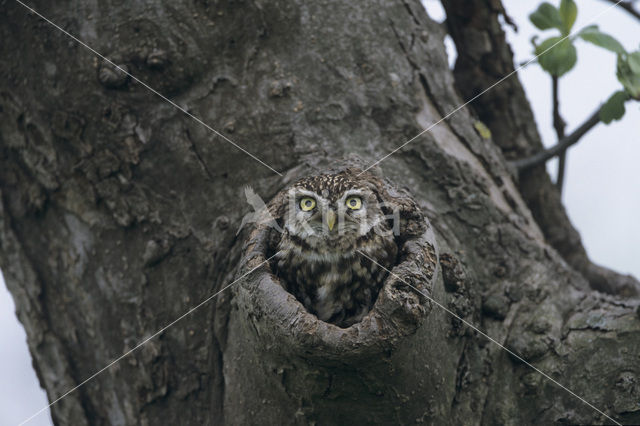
(307, 204)
(354, 203)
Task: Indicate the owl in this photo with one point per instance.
(327, 222)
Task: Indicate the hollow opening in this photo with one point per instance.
(339, 290)
(335, 238)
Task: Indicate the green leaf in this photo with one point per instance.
(626, 75)
(634, 62)
(613, 109)
(556, 55)
(568, 14)
(593, 35)
(546, 16)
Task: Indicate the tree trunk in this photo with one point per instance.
(119, 214)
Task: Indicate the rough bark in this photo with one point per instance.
(119, 213)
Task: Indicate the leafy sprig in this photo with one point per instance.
(557, 54)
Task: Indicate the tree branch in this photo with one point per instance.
(628, 6)
(559, 125)
(561, 146)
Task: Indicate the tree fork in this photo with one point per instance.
(506, 111)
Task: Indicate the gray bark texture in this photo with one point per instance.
(119, 213)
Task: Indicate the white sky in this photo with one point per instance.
(602, 180)
(20, 393)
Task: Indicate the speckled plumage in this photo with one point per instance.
(322, 267)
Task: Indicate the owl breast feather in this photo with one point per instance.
(339, 287)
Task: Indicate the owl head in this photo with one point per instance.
(333, 211)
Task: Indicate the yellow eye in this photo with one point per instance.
(307, 204)
(354, 203)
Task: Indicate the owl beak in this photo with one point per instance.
(331, 219)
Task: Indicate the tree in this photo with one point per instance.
(120, 212)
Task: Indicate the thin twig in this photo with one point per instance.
(628, 6)
(561, 146)
(559, 125)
